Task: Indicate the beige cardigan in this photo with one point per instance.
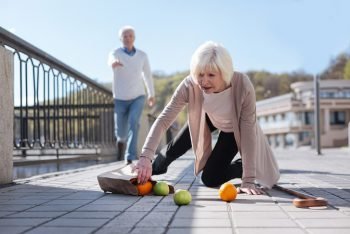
(259, 164)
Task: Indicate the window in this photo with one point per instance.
(347, 94)
(289, 139)
(309, 118)
(337, 117)
(303, 136)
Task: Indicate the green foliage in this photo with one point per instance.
(165, 86)
(336, 68)
(268, 84)
(347, 70)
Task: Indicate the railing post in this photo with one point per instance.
(6, 120)
(349, 134)
(317, 114)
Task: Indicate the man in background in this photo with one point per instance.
(132, 73)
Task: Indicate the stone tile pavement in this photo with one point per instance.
(72, 202)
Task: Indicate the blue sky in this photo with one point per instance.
(273, 35)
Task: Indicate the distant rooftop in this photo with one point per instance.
(304, 86)
(324, 84)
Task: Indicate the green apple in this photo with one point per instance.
(182, 197)
(161, 188)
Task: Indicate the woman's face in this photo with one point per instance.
(211, 82)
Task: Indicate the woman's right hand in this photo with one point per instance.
(250, 188)
(143, 169)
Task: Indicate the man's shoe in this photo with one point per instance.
(128, 162)
(121, 151)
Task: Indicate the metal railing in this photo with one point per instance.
(56, 107)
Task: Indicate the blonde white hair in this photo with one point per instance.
(125, 29)
(211, 56)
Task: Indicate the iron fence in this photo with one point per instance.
(55, 105)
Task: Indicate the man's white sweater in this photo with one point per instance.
(129, 78)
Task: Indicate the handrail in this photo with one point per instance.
(56, 106)
(9, 39)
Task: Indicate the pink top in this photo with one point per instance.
(220, 115)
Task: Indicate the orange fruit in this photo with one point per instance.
(145, 188)
(227, 192)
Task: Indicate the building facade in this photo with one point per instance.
(288, 120)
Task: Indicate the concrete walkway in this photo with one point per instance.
(72, 202)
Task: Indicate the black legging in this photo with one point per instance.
(219, 167)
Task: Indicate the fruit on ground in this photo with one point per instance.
(145, 188)
(227, 192)
(161, 188)
(182, 197)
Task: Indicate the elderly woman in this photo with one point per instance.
(217, 98)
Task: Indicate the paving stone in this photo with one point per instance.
(39, 214)
(54, 207)
(15, 207)
(201, 214)
(194, 230)
(163, 208)
(146, 230)
(60, 230)
(94, 214)
(103, 207)
(317, 215)
(4, 198)
(260, 215)
(68, 202)
(263, 223)
(5, 213)
(23, 202)
(291, 208)
(235, 207)
(270, 230)
(207, 202)
(90, 195)
(69, 222)
(13, 230)
(156, 219)
(126, 219)
(200, 223)
(329, 231)
(326, 223)
(112, 230)
(119, 201)
(139, 207)
(22, 221)
(41, 197)
(192, 208)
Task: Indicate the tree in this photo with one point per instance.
(336, 68)
(347, 70)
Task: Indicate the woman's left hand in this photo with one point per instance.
(250, 189)
(143, 169)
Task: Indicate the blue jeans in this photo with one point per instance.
(127, 114)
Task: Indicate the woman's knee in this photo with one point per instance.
(210, 180)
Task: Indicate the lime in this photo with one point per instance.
(182, 197)
(161, 188)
